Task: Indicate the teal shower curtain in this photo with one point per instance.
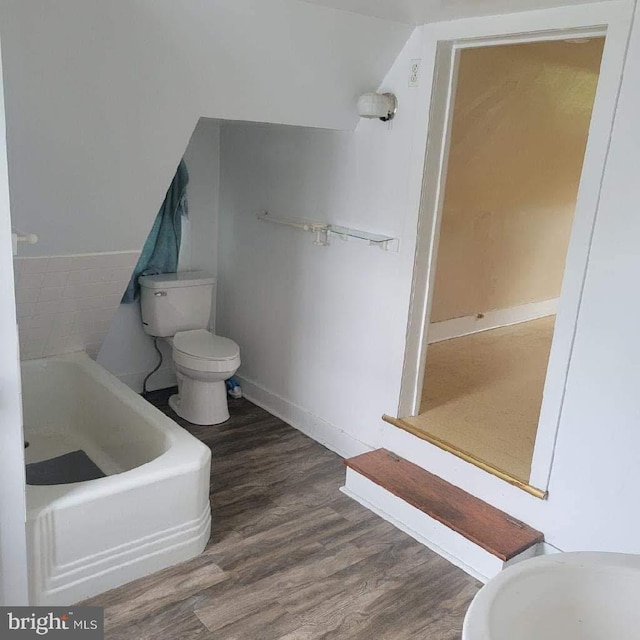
(162, 248)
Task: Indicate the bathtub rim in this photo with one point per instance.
(184, 453)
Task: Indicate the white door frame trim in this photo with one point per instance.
(13, 546)
(442, 41)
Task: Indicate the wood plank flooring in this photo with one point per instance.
(290, 557)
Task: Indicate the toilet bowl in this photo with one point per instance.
(177, 307)
(203, 362)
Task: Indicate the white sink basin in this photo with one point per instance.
(565, 596)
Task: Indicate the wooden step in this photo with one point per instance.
(487, 527)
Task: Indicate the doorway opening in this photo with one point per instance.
(514, 143)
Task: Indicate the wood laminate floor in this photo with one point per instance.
(290, 557)
(483, 392)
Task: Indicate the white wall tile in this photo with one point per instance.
(75, 342)
(55, 279)
(63, 320)
(89, 303)
(49, 307)
(60, 263)
(76, 277)
(32, 349)
(119, 274)
(37, 333)
(27, 295)
(25, 309)
(58, 334)
(95, 275)
(49, 294)
(35, 322)
(34, 265)
(80, 291)
(71, 290)
(65, 303)
(54, 346)
(33, 342)
(84, 262)
(30, 280)
(113, 300)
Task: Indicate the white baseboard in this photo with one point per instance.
(447, 543)
(161, 379)
(313, 426)
(466, 325)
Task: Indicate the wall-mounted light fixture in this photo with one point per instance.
(378, 105)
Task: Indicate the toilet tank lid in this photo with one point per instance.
(180, 279)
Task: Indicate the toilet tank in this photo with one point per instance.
(172, 302)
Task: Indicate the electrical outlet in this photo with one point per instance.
(414, 73)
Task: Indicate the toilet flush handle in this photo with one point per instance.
(160, 293)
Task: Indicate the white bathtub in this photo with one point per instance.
(149, 512)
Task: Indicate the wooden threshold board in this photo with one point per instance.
(467, 457)
(491, 529)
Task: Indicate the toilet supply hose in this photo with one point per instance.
(144, 384)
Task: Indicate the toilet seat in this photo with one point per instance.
(201, 350)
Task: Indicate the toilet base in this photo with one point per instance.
(199, 402)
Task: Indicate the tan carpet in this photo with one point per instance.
(482, 393)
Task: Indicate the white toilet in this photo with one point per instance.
(177, 306)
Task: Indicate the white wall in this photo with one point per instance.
(507, 216)
(200, 232)
(13, 549)
(320, 327)
(199, 250)
(127, 351)
(103, 96)
(595, 471)
(595, 478)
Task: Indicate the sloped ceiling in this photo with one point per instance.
(417, 12)
(101, 97)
